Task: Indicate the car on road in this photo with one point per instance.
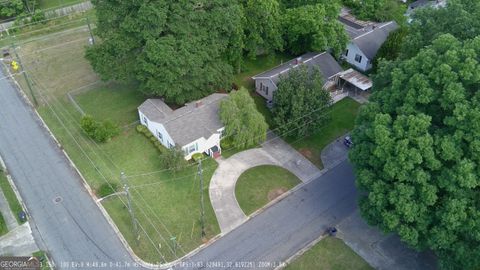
(348, 141)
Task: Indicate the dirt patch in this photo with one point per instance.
(306, 152)
(274, 193)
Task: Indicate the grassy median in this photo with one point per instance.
(259, 185)
(329, 253)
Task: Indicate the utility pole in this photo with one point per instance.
(92, 39)
(200, 173)
(24, 74)
(129, 204)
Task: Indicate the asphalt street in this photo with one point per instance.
(276, 234)
(75, 231)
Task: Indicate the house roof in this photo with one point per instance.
(370, 42)
(188, 123)
(327, 65)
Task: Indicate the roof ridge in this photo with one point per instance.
(191, 110)
(379, 27)
(288, 68)
(156, 107)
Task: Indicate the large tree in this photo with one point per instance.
(263, 32)
(460, 18)
(244, 125)
(301, 105)
(314, 28)
(11, 8)
(417, 151)
(181, 50)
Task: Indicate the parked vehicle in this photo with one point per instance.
(348, 141)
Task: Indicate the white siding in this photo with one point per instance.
(263, 91)
(204, 144)
(156, 128)
(353, 50)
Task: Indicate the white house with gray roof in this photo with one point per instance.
(366, 38)
(266, 83)
(195, 127)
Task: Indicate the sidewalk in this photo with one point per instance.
(18, 242)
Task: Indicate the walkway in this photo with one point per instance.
(222, 185)
(18, 242)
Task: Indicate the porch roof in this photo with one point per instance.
(356, 78)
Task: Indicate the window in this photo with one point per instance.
(358, 58)
(192, 148)
(346, 53)
(160, 136)
(145, 121)
(261, 86)
(266, 90)
(170, 145)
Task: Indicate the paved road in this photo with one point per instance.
(287, 226)
(73, 230)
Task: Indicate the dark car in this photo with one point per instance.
(348, 141)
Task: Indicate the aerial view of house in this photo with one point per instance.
(266, 82)
(240, 134)
(366, 38)
(195, 127)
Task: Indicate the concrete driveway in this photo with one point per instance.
(222, 185)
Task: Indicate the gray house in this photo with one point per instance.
(366, 38)
(266, 82)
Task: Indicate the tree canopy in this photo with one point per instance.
(181, 50)
(301, 104)
(244, 125)
(263, 32)
(314, 28)
(377, 10)
(417, 152)
(460, 18)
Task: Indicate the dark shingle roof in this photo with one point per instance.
(327, 65)
(188, 123)
(370, 42)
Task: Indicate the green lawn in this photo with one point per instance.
(343, 115)
(3, 225)
(166, 203)
(13, 202)
(42, 256)
(121, 97)
(259, 185)
(260, 64)
(329, 254)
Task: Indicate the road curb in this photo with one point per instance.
(300, 252)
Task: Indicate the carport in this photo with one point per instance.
(352, 80)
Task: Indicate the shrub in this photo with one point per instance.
(100, 132)
(141, 128)
(153, 139)
(197, 156)
(173, 158)
(162, 148)
(226, 143)
(89, 125)
(105, 189)
(148, 134)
